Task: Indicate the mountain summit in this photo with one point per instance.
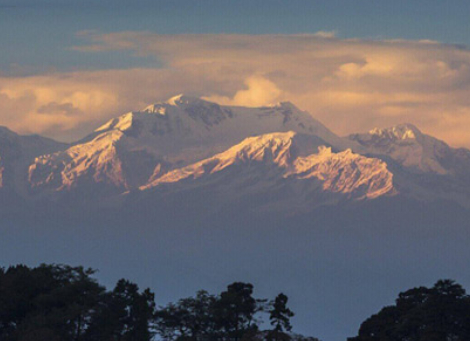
(416, 151)
(127, 151)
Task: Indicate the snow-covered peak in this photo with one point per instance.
(182, 99)
(178, 115)
(155, 109)
(413, 149)
(178, 100)
(280, 148)
(173, 106)
(345, 172)
(288, 158)
(404, 131)
(163, 107)
(276, 147)
(189, 118)
(176, 133)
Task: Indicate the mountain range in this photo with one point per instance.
(277, 153)
(188, 194)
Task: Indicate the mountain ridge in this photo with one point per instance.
(291, 157)
(166, 135)
(185, 138)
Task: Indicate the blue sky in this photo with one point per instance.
(36, 35)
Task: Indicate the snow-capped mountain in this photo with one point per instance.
(414, 150)
(138, 147)
(278, 154)
(214, 190)
(299, 165)
(424, 167)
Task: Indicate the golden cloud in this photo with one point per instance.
(349, 84)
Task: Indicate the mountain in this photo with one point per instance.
(414, 150)
(128, 151)
(425, 168)
(187, 194)
(278, 154)
(289, 171)
(17, 152)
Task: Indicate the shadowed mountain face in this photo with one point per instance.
(187, 194)
(16, 154)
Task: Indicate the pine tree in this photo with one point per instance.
(280, 316)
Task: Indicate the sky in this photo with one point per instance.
(68, 66)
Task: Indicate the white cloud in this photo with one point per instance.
(259, 92)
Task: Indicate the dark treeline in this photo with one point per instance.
(62, 303)
(440, 313)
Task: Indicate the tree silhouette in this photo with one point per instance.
(63, 303)
(432, 314)
(189, 319)
(124, 315)
(50, 302)
(235, 309)
(279, 316)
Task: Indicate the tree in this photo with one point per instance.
(190, 319)
(235, 310)
(432, 314)
(124, 315)
(280, 315)
(50, 302)
(228, 316)
(64, 303)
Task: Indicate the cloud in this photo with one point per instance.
(259, 92)
(54, 108)
(325, 34)
(349, 84)
(54, 105)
